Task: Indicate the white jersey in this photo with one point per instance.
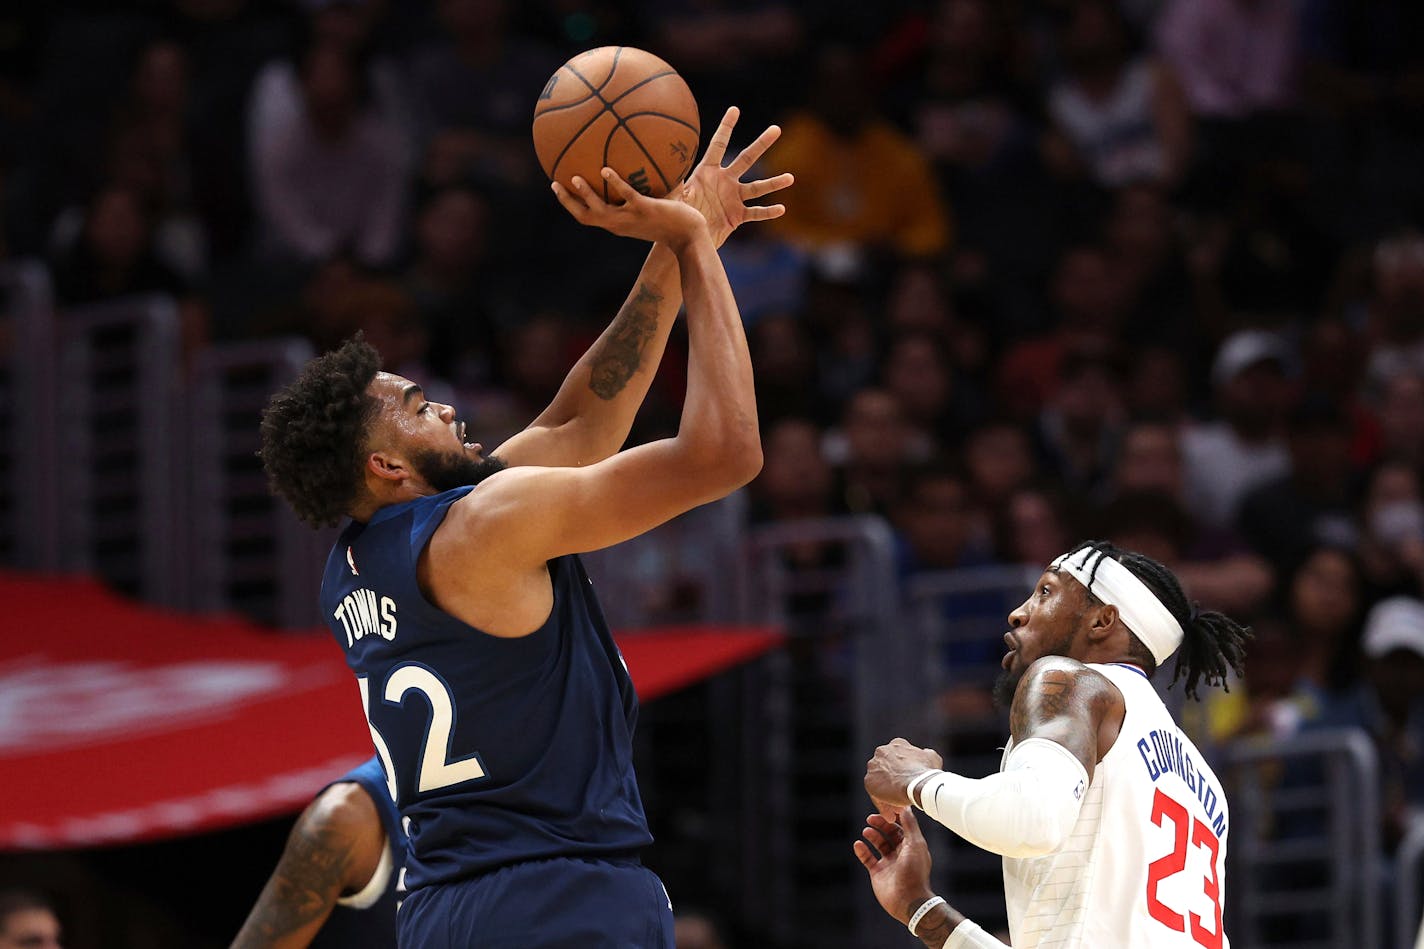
(1145, 865)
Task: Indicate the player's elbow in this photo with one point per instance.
(1042, 827)
(747, 461)
(728, 458)
(741, 462)
(1035, 842)
(343, 811)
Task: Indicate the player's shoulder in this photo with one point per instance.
(1062, 676)
(520, 491)
(344, 810)
(1058, 667)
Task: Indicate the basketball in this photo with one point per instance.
(619, 107)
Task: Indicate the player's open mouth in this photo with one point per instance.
(1008, 658)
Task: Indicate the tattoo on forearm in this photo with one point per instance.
(303, 888)
(934, 930)
(621, 354)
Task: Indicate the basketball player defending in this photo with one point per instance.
(1111, 824)
(497, 700)
(335, 884)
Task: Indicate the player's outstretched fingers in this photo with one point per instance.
(751, 190)
(864, 854)
(757, 212)
(717, 146)
(753, 152)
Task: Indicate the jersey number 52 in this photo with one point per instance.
(1165, 808)
(436, 769)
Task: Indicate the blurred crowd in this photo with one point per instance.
(1149, 270)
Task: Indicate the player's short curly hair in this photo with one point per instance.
(314, 432)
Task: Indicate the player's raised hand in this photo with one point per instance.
(898, 861)
(666, 220)
(718, 190)
(890, 771)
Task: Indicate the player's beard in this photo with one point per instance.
(1007, 682)
(446, 472)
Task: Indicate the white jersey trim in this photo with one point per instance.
(370, 894)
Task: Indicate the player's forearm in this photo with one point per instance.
(284, 918)
(1027, 810)
(302, 890)
(719, 417)
(602, 393)
(940, 926)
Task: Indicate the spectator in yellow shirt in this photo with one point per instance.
(860, 181)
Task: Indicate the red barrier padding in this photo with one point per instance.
(120, 722)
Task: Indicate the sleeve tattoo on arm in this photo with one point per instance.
(1052, 694)
(621, 354)
(303, 888)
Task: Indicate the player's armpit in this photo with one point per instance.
(329, 852)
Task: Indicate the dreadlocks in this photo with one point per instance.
(1213, 644)
(314, 432)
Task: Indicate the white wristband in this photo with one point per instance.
(918, 780)
(970, 935)
(925, 907)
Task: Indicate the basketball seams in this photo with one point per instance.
(620, 120)
(663, 115)
(650, 113)
(567, 105)
(597, 93)
(667, 186)
(573, 140)
(593, 91)
(596, 90)
(638, 85)
(553, 168)
(623, 124)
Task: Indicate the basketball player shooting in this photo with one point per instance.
(1111, 824)
(498, 703)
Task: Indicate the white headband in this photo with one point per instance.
(1141, 611)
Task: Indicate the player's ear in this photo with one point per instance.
(386, 466)
(1104, 617)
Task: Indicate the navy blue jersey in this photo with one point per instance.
(367, 919)
(503, 750)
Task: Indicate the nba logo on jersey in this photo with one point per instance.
(1077, 791)
(351, 561)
